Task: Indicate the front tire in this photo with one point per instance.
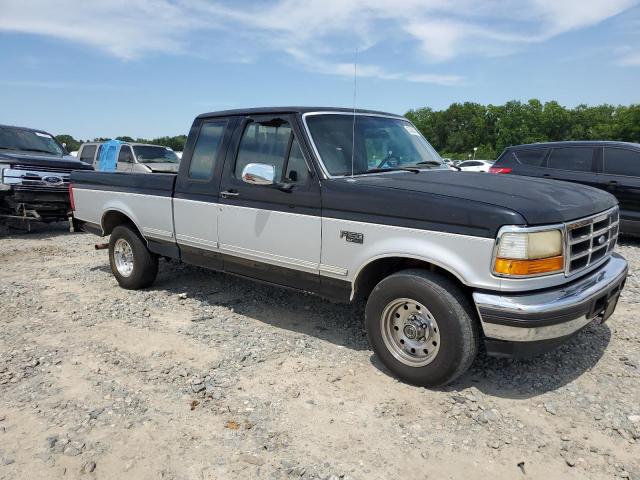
(422, 327)
(133, 265)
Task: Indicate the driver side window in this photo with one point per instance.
(125, 155)
(272, 143)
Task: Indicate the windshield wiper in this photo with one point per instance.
(391, 169)
(39, 150)
(429, 162)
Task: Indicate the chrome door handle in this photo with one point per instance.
(229, 194)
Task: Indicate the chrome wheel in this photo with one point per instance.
(410, 332)
(123, 257)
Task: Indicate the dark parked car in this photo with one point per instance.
(610, 166)
(34, 175)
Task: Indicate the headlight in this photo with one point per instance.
(522, 253)
(2, 185)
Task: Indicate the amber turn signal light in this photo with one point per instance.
(508, 266)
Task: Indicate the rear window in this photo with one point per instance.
(579, 159)
(88, 153)
(621, 161)
(531, 157)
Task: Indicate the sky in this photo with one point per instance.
(146, 68)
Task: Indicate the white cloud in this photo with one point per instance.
(325, 30)
(630, 60)
(125, 29)
(59, 85)
(627, 56)
(344, 69)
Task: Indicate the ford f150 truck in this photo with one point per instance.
(34, 175)
(357, 205)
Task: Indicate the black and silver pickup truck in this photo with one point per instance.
(34, 175)
(357, 205)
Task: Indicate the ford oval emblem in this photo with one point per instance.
(51, 180)
(601, 239)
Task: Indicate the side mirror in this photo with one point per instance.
(259, 174)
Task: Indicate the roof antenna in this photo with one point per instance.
(353, 126)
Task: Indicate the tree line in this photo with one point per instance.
(457, 130)
(461, 127)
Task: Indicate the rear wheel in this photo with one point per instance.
(133, 265)
(422, 327)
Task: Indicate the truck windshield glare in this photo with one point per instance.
(25, 140)
(381, 143)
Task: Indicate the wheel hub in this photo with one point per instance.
(123, 257)
(415, 329)
(410, 332)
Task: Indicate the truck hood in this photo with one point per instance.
(43, 160)
(163, 167)
(538, 201)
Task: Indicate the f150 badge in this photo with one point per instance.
(353, 237)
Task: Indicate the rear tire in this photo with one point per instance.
(422, 327)
(133, 265)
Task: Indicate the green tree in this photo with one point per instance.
(71, 144)
(458, 129)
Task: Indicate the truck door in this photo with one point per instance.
(271, 232)
(573, 164)
(195, 203)
(125, 159)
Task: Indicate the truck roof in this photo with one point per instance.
(277, 110)
(574, 143)
(24, 128)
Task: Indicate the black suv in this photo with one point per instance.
(610, 166)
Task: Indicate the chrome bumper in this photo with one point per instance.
(553, 313)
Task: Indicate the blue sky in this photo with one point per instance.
(145, 68)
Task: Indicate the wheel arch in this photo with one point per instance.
(370, 273)
(114, 217)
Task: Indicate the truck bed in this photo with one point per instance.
(144, 198)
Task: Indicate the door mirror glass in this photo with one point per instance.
(259, 174)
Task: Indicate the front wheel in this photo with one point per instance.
(422, 327)
(133, 265)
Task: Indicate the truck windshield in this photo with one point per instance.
(21, 139)
(155, 154)
(380, 144)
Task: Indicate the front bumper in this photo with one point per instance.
(544, 319)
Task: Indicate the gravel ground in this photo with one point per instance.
(205, 376)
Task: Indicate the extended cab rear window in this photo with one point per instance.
(88, 153)
(531, 157)
(206, 151)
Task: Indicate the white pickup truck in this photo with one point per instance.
(359, 205)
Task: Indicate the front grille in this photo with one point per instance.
(41, 169)
(591, 239)
(64, 188)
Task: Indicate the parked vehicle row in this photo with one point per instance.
(359, 205)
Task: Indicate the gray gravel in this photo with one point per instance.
(209, 376)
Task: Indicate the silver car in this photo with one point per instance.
(134, 157)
